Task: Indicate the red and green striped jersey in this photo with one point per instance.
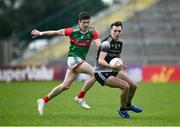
(80, 42)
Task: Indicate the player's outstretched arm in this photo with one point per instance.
(36, 33)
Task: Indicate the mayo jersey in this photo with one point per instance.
(80, 42)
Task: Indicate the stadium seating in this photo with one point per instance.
(151, 36)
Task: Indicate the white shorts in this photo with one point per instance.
(74, 62)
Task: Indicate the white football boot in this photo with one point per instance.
(82, 102)
(41, 105)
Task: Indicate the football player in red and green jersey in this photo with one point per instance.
(80, 41)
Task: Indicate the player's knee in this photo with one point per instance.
(91, 74)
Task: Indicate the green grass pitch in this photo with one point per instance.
(160, 101)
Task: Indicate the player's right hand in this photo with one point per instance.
(35, 33)
(124, 67)
(120, 67)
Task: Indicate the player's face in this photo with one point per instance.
(115, 32)
(84, 25)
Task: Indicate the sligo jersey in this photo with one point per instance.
(112, 48)
(80, 42)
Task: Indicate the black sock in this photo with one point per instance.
(128, 104)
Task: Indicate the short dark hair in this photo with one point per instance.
(117, 23)
(84, 16)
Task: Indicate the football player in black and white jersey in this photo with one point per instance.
(110, 75)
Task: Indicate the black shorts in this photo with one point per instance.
(102, 76)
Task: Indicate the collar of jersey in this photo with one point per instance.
(83, 32)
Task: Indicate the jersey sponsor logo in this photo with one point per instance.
(80, 42)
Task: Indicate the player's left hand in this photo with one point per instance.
(35, 33)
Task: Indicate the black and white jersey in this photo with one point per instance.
(112, 48)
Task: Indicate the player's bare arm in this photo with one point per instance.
(102, 61)
(36, 32)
